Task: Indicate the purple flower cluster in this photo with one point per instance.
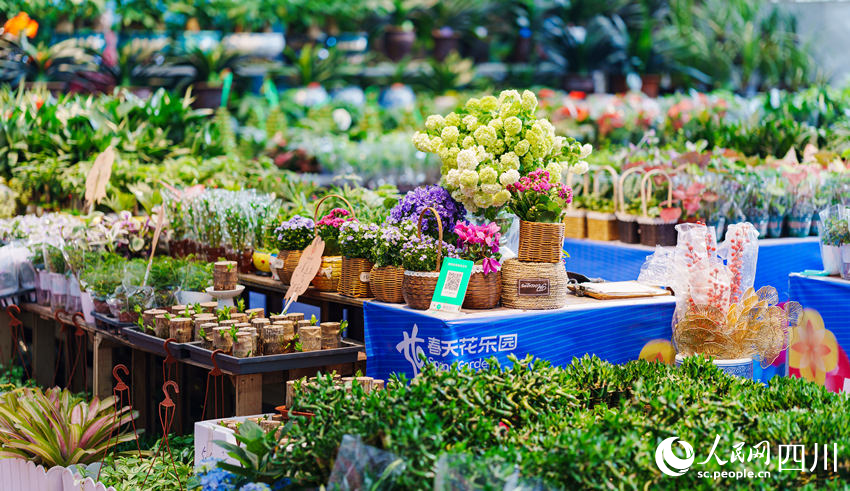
(421, 255)
(415, 201)
(294, 234)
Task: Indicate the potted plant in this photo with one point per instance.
(210, 68)
(480, 244)
(638, 24)
(418, 199)
(657, 224)
(291, 237)
(539, 203)
(627, 226)
(133, 70)
(756, 206)
(387, 275)
(196, 277)
(399, 34)
(835, 240)
(526, 21)
(422, 258)
(357, 242)
(327, 279)
(237, 229)
(601, 220)
(52, 67)
(198, 22)
(448, 21)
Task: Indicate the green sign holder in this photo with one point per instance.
(451, 285)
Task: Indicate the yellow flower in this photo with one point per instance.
(488, 103)
(488, 175)
(813, 349)
(501, 198)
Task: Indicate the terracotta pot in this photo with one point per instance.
(445, 41)
(650, 84)
(398, 42)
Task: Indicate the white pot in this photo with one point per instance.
(845, 262)
(831, 256)
(88, 306)
(58, 284)
(191, 298)
(740, 367)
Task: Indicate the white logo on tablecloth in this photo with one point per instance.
(411, 350)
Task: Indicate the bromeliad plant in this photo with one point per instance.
(539, 197)
(54, 427)
(480, 244)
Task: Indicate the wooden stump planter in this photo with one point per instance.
(225, 275)
(330, 335)
(310, 337)
(181, 329)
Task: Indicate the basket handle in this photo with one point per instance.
(614, 178)
(319, 204)
(622, 183)
(645, 183)
(585, 184)
(439, 234)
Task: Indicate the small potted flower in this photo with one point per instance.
(539, 201)
(601, 220)
(657, 225)
(327, 279)
(422, 258)
(387, 275)
(436, 197)
(291, 237)
(835, 240)
(356, 243)
(480, 244)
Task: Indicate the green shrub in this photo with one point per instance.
(588, 425)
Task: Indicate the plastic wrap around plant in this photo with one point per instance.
(360, 466)
(718, 313)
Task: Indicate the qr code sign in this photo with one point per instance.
(452, 284)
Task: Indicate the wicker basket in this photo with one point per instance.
(540, 242)
(627, 226)
(418, 287)
(575, 224)
(533, 286)
(483, 291)
(656, 231)
(327, 279)
(385, 282)
(290, 262)
(601, 226)
(351, 282)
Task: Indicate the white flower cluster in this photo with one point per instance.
(490, 143)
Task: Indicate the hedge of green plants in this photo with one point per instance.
(588, 425)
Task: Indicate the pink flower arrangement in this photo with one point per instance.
(479, 243)
(336, 218)
(536, 199)
(328, 229)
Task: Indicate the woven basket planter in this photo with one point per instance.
(354, 271)
(484, 290)
(418, 287)
(575, 224)
(290, 261)
(386, 282)
(601, 226)
(627, 228)
(533, 286)
(656, 231)
(540, 242)
(327, 279)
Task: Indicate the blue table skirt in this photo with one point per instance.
(617, 331)
(616, 261)
(825, 332)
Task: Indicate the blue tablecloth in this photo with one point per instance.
(617, 331)
(826, 327)
(616, 261)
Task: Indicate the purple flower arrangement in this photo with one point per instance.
(421, 255)
(415, 201)
(294, 234)
(358, 239)
(391, 238)
(480, 243)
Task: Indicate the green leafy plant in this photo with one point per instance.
(254, 453)
(54, 427)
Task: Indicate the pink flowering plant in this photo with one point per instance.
(328, 229)
(480, 244)
(534, 198)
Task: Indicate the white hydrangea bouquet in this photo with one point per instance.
(490, 143)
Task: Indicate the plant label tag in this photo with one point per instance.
(451, 285)
(98, 177)
(532, 287)
(305, 271)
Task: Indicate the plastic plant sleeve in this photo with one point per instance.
(360, 466)
(467, 472)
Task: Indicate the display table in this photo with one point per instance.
(614, 330)
(824, 335)
(616, 261)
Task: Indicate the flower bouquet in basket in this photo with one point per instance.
(357, 242)
(422, 256)
(540, 204)
(291, 237)
(480, 244)
(327, 279)
(387, 274)
(718, 313)
(414, 202)
(491, 143)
